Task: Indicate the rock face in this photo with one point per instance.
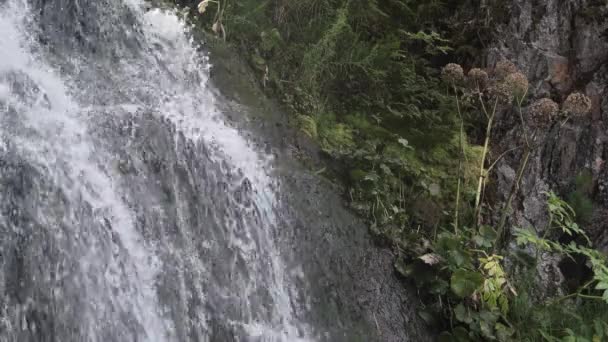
(562, 45)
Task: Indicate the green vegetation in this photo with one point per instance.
(358, 77)
(362, 79)
(472, 281)
(579, 198)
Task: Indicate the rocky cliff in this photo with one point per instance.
(562, 45)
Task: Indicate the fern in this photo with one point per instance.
(308, 125)
(320, 55)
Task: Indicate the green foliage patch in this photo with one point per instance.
(358, 79)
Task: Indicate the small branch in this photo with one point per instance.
(502, 155)
(591, 297)
(574, 294)
(514, 190)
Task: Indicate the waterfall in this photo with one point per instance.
(131, 211)
(132, 208)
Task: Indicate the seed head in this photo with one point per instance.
(478, 77)
(517, 84)
(504, 68)
(542, 112)
(577, 104)
(452, 73)
(499, 92)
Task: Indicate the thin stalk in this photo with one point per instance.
(523, 125)
(591, 297)
(483, 106)
(457, 203)
(576, 294)
(484, 153)
(502, 156)
(461, 148)
(514, 190)
(482, 171)
(518, 178)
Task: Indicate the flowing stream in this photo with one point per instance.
(130, 210)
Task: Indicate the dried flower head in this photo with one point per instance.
(478, 77)
(517, 84)
(500, 92)
(452, 73)
(577, 104)
(504, 68)
(542, 112)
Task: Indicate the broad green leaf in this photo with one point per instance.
(486, 330)
(427, 317)
(463, 314)
(438, 287)
(503, 333)
(464, 283)
(459, 258)
(461, 334)
(601, 286)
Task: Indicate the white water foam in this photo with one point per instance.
(60, 142)
(55, 139)
(195, 113)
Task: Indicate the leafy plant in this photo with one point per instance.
(464, 283)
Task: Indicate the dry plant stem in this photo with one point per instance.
(457, 210)
(218, 19)
(457, 198)
(515, 188)
(502, 156)
(523, 124)
(486, 146)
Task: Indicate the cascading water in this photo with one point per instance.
(130, 211)
(95, 273)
